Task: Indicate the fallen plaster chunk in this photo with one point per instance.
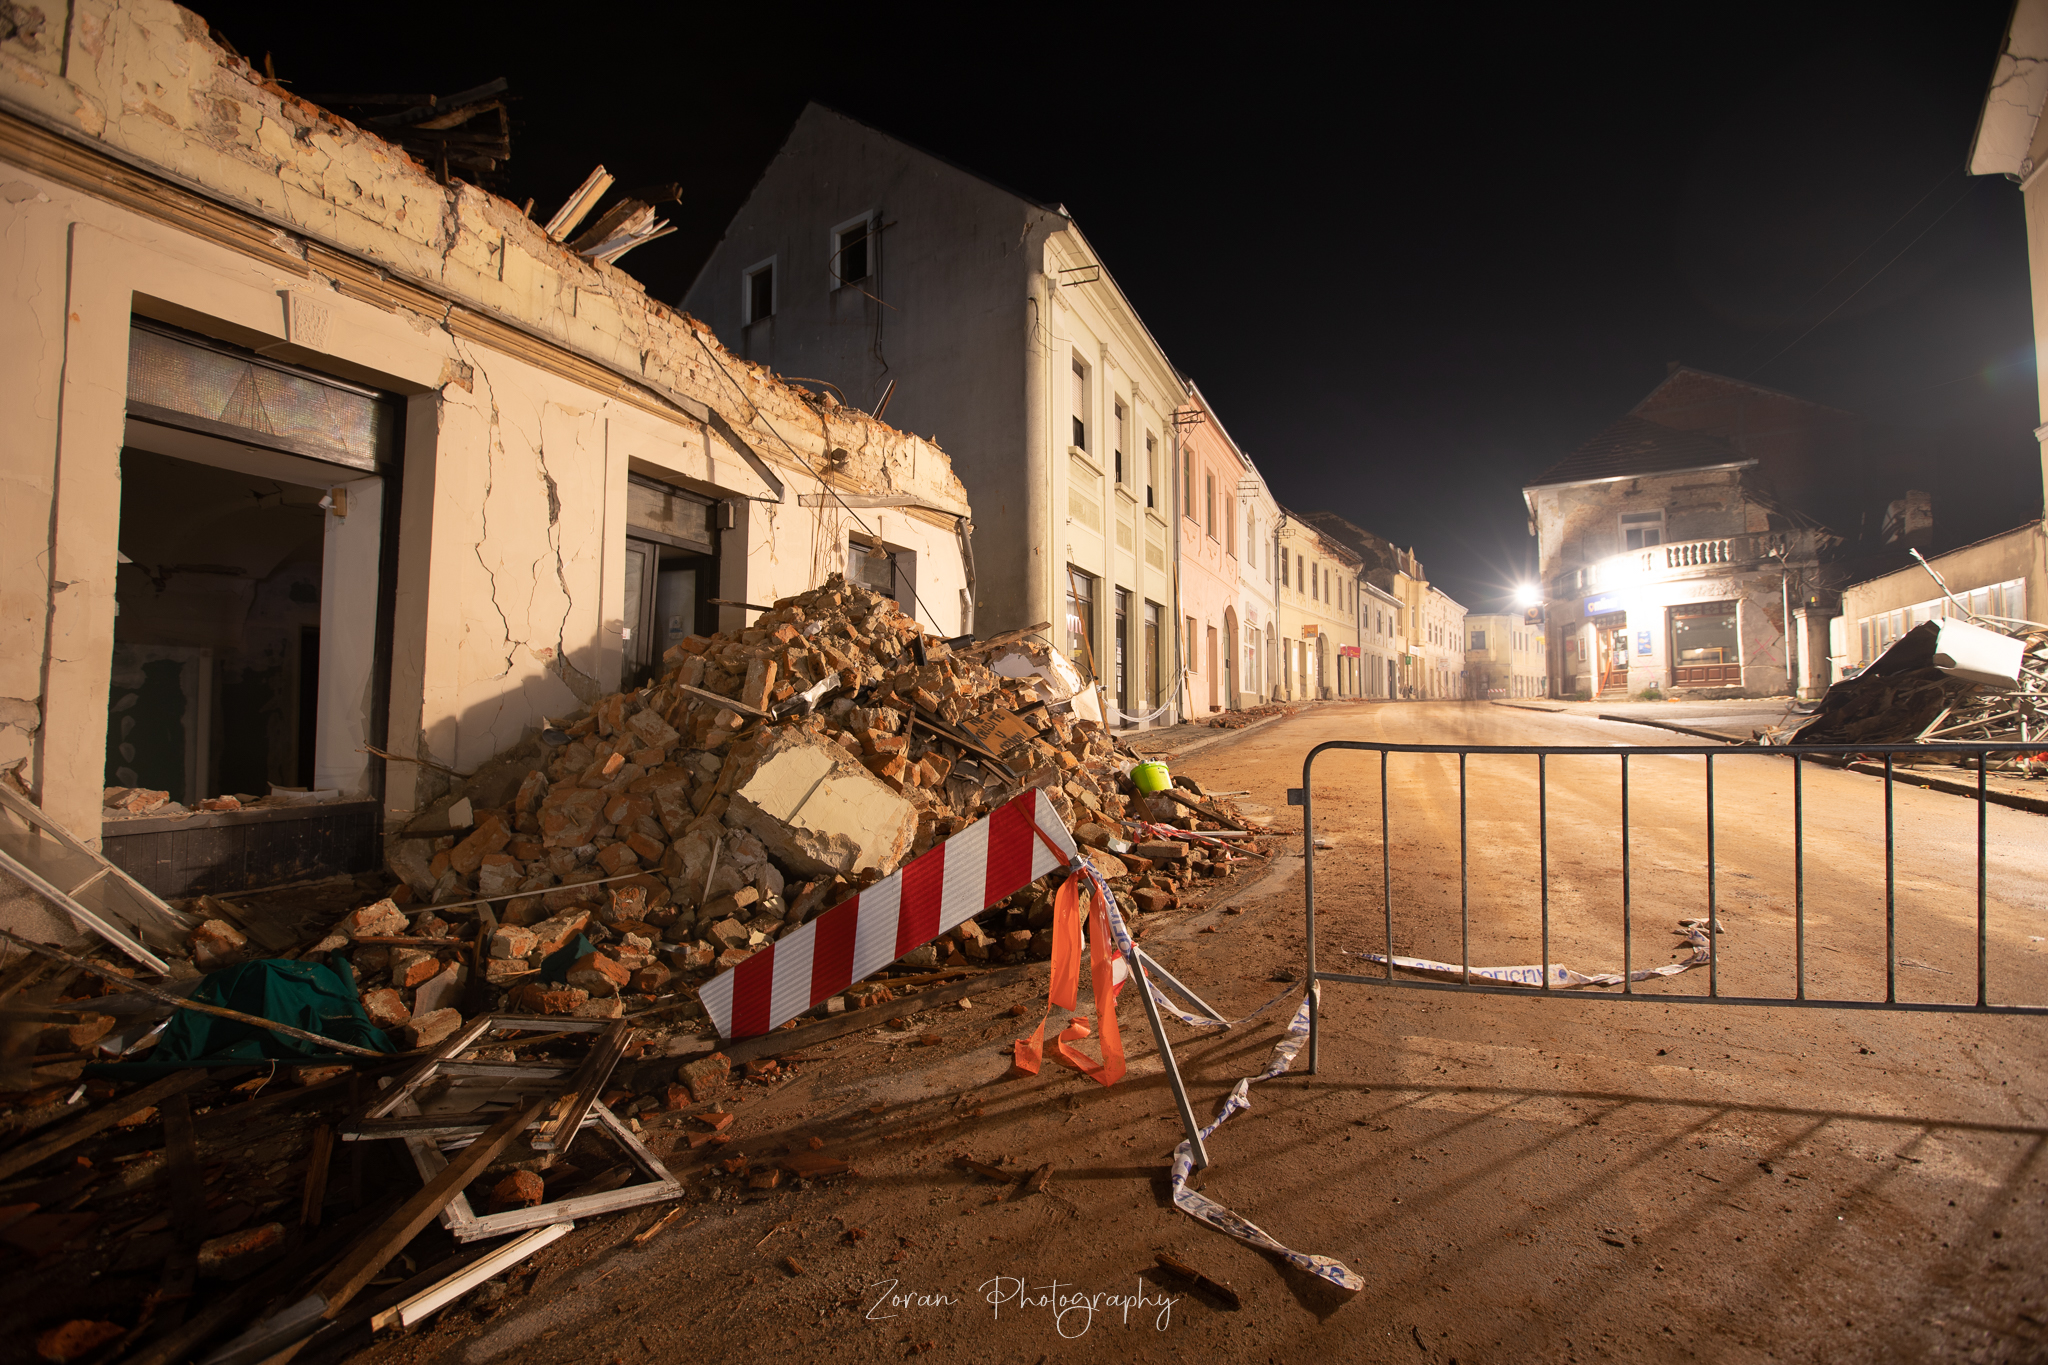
(818, 812)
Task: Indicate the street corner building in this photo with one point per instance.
(1673, 552)
(316, 456)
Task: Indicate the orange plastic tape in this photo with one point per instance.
(1063, 990)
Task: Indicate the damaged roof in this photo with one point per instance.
(1633, 447)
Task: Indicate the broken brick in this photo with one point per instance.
(386, 1008)
(381, 920)
(599, 973)
(708, 1078)
(519, 1190)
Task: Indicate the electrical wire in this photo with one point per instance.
(763, 420)
(1863, 286)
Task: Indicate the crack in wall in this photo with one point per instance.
(492, 443)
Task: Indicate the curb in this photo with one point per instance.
(1677, 729)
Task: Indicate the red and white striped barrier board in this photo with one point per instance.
(1016, 845)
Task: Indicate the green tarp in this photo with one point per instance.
(317, 997)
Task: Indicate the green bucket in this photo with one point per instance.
(1151, 777)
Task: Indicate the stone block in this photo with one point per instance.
(443, 990)
(618, 859)
(553, 935)
(653, 731)
(490, 836)
(533, 789)
(610, 1007)
(499, 874)
(513, 941)
(530, 997)
(728, 933)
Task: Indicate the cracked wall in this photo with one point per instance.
(533, 383)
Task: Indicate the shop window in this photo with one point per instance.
(1706, 648)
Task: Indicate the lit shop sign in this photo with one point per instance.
(1600, 606)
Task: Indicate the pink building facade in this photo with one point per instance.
(1221, 613)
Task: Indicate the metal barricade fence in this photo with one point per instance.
(1798, 756)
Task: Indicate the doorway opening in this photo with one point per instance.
(671, 573)
(1610, 651)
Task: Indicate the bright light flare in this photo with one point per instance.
(1526, 595)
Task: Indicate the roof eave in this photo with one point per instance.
(1529, 489)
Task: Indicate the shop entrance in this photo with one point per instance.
(1610, 651)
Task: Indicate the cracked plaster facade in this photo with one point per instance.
(146, 172)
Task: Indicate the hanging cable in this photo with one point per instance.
(761, 417)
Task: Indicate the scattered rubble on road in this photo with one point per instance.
(510, 1040)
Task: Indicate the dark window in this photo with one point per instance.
(853, 254)
(1080, 404)
(761, 293)
(1081, 620)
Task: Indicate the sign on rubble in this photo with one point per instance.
(1016, 845)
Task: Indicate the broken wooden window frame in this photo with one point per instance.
(151, 915)
(657, 1185)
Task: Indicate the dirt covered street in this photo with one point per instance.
(1512, 1179)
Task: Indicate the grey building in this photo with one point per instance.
(983, 319)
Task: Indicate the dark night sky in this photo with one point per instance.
(1412, 266)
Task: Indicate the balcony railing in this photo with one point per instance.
(1683, 558)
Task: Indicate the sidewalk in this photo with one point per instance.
(1178, 741)
(1736, 720)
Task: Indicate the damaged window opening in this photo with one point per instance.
(1081, 620)
(850, 253)
(249, 616)
(890, 570)
(758, 287)
(671, 563)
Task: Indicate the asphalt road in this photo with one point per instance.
(1513, 1178)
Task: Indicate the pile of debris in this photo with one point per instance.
(539, 959)
(772, 773)
(1945, 680)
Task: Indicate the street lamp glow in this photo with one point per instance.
(1526, 595)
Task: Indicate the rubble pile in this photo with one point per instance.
(1943, 680)
(538, 960)
(770, 774)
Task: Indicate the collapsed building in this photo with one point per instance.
(330, 478)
